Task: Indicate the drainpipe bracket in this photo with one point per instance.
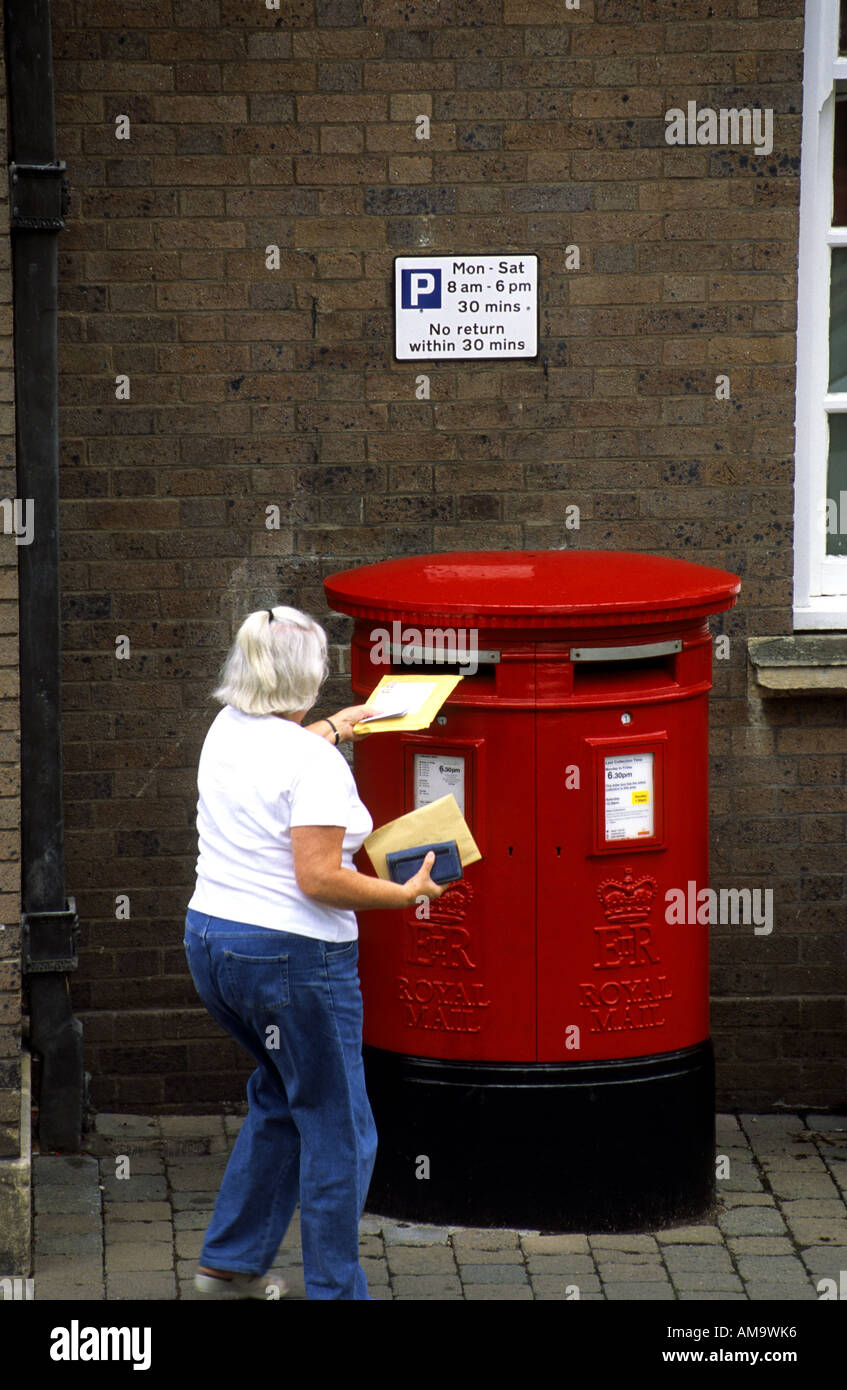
(49, 941)
(39, 196)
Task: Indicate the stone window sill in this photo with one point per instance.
(806, 664)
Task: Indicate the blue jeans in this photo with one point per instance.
(294, 1003)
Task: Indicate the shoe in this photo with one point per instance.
(240, 1286)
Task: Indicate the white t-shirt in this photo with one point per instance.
(259, 776)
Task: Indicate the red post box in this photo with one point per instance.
(536, 1040)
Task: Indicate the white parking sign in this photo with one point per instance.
(465, 307)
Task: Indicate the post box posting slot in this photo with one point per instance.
(633, 666)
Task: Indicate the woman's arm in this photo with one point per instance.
(320, 875)
(342, 721)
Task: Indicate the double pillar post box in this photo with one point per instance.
(536, 1041)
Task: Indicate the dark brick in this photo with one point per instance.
(338, 13)
(395, 202)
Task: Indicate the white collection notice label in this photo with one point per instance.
(465, 307)
(629, 796)
(437, 776)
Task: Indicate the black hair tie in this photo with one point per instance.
(270, 615)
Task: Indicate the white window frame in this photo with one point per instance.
(820, 580)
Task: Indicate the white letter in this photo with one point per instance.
(122, 127)
(24, 520)
(141, 1354)
(675, 126)
(675, 909)
(707, 126)
(422, 128)
(411, 640)
(707, 909)
(422, 387)
(764, 144)
(272, 257)
(60, 1350)
(468, 653)
(765, 926)
(421, 282)
(381, 648)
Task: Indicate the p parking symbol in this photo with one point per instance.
(420, 289)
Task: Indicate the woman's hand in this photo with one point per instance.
(346, 718)
(421, 885)
(343, 721)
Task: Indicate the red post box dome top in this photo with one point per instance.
(534, 588)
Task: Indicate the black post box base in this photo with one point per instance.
(590, 1146)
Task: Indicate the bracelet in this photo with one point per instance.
(334, 730)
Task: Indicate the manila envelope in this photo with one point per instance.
(429, 825)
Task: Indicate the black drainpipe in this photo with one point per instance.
(37, 202)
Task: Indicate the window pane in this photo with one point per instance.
(836, 487)
(838, 320)
(842, 28)
(839, 162)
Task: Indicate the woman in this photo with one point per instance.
(271, 942)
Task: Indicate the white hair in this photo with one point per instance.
(274, 666)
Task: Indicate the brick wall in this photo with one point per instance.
(10, 848)
(252, 387)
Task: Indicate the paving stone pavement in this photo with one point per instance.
(125, 1220)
